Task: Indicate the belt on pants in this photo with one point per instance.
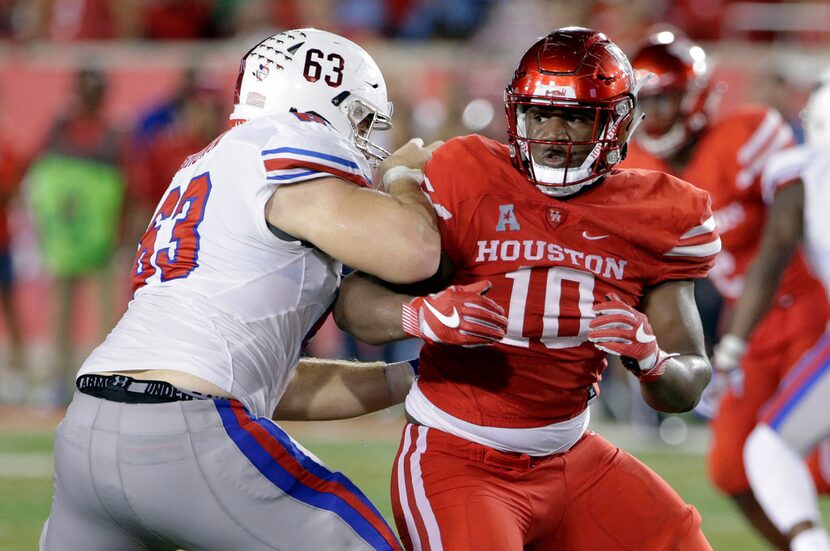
(121, 388)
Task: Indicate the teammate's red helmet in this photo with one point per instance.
(572, 68)
(677, 67)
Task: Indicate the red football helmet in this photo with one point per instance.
(579, 69)
(677, 67)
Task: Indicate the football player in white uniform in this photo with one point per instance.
(795, 419)
(168, 443)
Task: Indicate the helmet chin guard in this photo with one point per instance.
(313, 71)
(572, 69)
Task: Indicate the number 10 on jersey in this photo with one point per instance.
(171, 242)
(565, 289)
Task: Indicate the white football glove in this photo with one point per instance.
(726, 374)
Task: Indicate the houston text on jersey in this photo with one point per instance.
(494, 250)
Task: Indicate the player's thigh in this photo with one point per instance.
(736, 417)
(78, 519)
(445, 496)
(798, 410)
(616, 502)
(263, 490)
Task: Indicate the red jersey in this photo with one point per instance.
(728, 161)
(550, 261)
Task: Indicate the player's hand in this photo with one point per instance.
(712, 396)
(727, 375)
(726, 361)
(460, 315)
(623, 331)
(413, 154)
(407, 162)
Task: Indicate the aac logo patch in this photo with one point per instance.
(507, 219)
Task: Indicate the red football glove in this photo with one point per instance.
(621, 330)
(459, 315)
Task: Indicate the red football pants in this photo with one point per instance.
(775, 347)
(454, 495)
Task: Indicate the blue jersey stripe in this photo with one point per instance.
(781, 415)
(284, 480)
(309, 153)
(295, 175)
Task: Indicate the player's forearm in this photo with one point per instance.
(679, 388)
(782, 233)
(418, 227)
(370, 311)
(336, 389)
(759, 290)
(368, 230)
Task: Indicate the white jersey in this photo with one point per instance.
(812, 167)
(217, 294)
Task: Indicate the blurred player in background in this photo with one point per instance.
(169, 442)
(726, 158)
(75, 191)
(11, 172)
(586, 260)
(795, 419)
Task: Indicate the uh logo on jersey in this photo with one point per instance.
(554, 216)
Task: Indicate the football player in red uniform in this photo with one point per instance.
(586, 260)
(726, 158)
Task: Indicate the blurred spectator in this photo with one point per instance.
(252, 20)
(160, 116)
(178, 19)
(6, 15)
(510, 28)
(11, 171)
(76, 190)
(444, 18)
(169, 132)
(360, 19)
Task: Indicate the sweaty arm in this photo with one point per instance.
(370, 310)
(337, 389)
(670, 308)
(781, 236)
(393, 236)
(662, 345)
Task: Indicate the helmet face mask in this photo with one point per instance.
(317, 72)
(582, 80)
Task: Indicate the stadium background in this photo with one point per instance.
(446, 65)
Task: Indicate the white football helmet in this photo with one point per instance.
(816, 115)
(313, 71)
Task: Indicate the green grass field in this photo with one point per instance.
(26, 486)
